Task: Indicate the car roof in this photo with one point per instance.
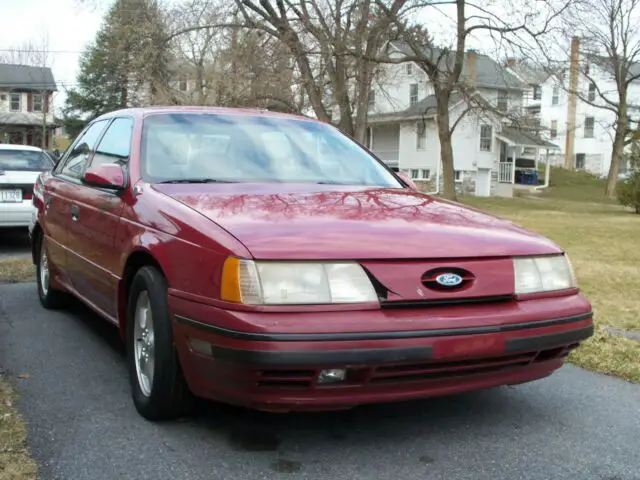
(140, 112)
(12, 146)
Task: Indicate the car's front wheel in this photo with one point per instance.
(158, 387)
(50, 298)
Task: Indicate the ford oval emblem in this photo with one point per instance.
(449, 279)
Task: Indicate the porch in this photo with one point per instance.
(25, 129)
(520, 154)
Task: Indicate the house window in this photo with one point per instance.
(503, 102)
(425, 174)
(485, 138)
(409, 68)
(592, 92)
(37, 103)
(580, 161)
(589, 124)
(182, 86)
(414, 173)
(554, 129)
(555, 98)
(457, 175)
(15, 102)
(413, 93)
(372, 98)
(537, 92)
(421, 136)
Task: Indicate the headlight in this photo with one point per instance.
(295, 283)
(543, 274)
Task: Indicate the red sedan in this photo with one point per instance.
(267, 260)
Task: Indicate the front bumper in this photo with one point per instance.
(279, 371)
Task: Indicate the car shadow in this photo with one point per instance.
(247, 430)
(14, 242)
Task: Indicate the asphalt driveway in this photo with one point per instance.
(82, 424)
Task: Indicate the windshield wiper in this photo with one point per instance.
(197, 180)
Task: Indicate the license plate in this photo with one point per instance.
(471, 346)
(10, 196)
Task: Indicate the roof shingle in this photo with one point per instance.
(26, 77)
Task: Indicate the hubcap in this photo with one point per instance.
(44, 271)
(144, 343)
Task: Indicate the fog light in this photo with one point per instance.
(335, 375)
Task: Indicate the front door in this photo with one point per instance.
(93, 258)
(483, 182)
(57, 190)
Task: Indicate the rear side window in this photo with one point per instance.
(24, 160)
(115, 146)
(75, 161)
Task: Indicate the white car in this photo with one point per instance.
(20, 166)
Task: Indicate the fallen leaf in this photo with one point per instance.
(23, 376)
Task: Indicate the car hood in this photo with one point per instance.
(330, 222)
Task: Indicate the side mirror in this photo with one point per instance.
(107, 175)
(406, 179)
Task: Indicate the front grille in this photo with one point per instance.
(446, 302)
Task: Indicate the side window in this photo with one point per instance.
(75, 161)
(115, 146)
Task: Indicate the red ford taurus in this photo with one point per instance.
(267, 260)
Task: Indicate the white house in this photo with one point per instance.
(402, 128)
(594, 125)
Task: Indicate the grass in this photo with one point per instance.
(15, 462)
(601, 239)
(16, 270)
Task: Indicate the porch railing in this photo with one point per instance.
(505, 172)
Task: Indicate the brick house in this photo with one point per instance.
(25, 104)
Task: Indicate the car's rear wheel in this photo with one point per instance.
(158, 387)
(50, 298)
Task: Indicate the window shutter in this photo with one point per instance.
(29, 102)
(45, 103)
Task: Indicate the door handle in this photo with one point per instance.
(75, 212)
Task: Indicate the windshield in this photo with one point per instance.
(24, 160)
(245, 148)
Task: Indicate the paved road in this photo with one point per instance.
(14, 243)
(82, 425)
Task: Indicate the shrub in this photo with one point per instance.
(628, 190)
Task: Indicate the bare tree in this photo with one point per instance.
(322, 37)
(513, 22)
(608, 32)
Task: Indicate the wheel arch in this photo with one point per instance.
(135, 261)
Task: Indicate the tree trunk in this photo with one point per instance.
(616, 153)
(446, 148)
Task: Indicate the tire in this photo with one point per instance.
(164, 395)
(50, 298)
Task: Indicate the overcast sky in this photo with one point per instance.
(70, 25)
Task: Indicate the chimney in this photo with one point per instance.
(471, 67)
(511, 62)
(572, 103)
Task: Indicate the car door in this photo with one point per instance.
(95, 215)
(56, 192)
